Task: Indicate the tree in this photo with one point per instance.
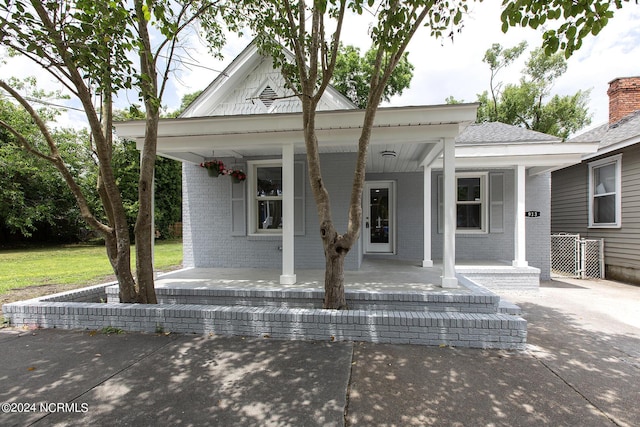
(301, 27)
(86, 46)
(528, 104)
(578, 19)
(34, 201)
(352, 75)
(498, 58)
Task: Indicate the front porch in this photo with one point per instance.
(390, 302)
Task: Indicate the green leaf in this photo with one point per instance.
(146, 12)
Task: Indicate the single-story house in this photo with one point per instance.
(439, 187)
(599, 198)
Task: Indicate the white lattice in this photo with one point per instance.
(575, 257)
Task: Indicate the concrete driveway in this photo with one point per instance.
(582, 368)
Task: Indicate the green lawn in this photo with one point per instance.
(70, 264)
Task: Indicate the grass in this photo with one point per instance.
(71, 264)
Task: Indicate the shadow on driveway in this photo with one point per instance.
(570, 376)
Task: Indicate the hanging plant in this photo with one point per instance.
(213, 167)
(237, 175)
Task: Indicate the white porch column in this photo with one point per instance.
(288, 276)
(519, 238)
(449, 279)
(427, 261)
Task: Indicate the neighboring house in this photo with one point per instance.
(438, 187)
(600, 197)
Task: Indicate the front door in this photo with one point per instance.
(379, 217)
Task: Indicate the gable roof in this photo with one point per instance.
(623, 133)
(240, 89)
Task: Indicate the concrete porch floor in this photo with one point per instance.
(375, 274)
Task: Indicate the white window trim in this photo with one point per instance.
(252, 165)
(617, 161)
(484, 201)
(484, 205)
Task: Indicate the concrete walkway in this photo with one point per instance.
(582, 368)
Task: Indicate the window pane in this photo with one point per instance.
(604, 179)
(379, 214)
(604, 209)
(468, 189)
(468, 216)
(269, 181)
(269, 214)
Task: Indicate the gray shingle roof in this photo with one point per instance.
(500, 133)
(626, 128)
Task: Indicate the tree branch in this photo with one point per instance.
(54, 158)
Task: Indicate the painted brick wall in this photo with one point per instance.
(208, 241)
(491, 246)
(207, 222)
(409, 211)
(538, 198)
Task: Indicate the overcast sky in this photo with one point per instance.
(444, 68)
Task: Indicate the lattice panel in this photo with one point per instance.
(591, 259)
(565, 255)
(575, 257)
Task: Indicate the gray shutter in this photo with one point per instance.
(496, 203)
(238, 208)
(298, 198)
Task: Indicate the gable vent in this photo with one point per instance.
(267, 96)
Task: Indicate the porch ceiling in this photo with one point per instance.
(409, 132)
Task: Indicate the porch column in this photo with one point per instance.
(519, 238)
(449, 279)
(427, 261)
(288, 276)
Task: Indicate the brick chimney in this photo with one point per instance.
(624, 97)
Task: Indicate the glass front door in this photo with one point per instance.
(379, 216)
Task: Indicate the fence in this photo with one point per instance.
(575, 257)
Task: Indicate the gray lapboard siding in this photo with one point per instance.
(569, 200)
(570, 204)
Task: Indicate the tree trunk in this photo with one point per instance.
(119, 256)
(334, 297)
(144, 223)
(144, 231)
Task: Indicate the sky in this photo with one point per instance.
(442, 67)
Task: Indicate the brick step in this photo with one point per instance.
(507, 307)
(437, 301)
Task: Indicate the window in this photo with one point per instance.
(604, 192)
(471, 204)
(266, 192)
(262, 212)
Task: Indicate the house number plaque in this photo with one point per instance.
(532, 214)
